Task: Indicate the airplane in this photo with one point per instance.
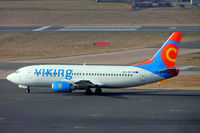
(68, 78)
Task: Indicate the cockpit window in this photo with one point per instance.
(18, 71)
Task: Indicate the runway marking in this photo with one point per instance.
(1, 119)
(94, 28)
(172, 28)
(79, 127)
(95, 115)
(17, 99)
(42, 28)
(14, 122)
(99, 28)
(146, 100)
(12, 101)
(175, 110)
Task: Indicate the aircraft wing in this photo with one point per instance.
(84, 83)
(167, 70)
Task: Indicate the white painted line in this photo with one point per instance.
(79, 127)
(99, 28)
(42, 28)
(172, 28)
(146, 100)
(175, 110)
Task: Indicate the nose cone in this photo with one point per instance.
(12, 78)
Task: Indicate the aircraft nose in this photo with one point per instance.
(12, 77)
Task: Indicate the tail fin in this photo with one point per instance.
(165, 58)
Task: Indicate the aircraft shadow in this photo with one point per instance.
(124, 94)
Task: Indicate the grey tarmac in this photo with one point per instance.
(97, 28)
(116, 111)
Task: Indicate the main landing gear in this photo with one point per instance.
(88, 91)
(98, 91)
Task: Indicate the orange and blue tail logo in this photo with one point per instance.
(165, 58)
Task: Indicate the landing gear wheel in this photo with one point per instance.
(28, 90)
(88, 92)
(98, 91)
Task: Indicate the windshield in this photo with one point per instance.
(18, 71)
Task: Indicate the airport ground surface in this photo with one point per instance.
(97, 28)
(88, 12)
(145, 110)
(116, 111)
(142, 110)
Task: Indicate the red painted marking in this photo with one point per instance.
(129, 6)
(176, 37)
(102, 44)
(172, 55)
(146, 62)
(175, 73)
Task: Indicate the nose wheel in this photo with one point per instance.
(28, 90)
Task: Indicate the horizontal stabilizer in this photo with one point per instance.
(185, 68)
(168, 70)
(172, 71)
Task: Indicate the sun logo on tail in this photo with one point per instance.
(168, 54)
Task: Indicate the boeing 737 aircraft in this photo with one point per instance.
(67, 78)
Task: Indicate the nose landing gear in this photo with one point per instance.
(28, 90)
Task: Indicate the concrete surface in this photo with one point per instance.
(116, 111)
(98, 28)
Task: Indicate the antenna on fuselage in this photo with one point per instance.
(84, 64)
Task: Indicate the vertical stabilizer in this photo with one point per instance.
(165, 58)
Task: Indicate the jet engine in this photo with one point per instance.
(60, 86)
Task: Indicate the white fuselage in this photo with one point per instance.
(103, 76)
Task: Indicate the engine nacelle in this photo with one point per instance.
(60, 86)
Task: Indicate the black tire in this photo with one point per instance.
(98, 91)
(28, 90)
(88, 92)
